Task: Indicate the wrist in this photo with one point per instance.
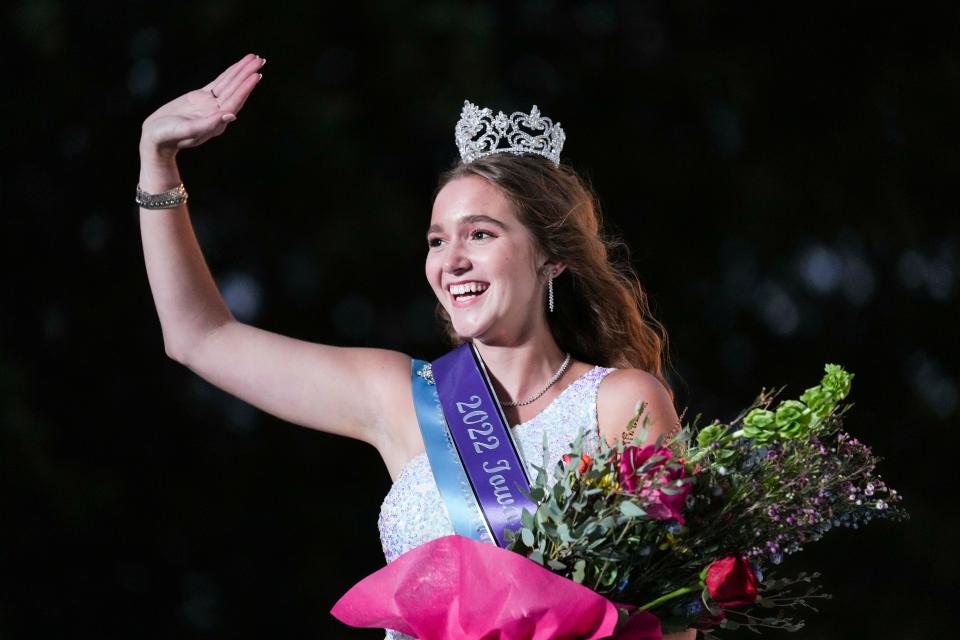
(154, 154)
(158, 169)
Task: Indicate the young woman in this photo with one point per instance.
(510, 236)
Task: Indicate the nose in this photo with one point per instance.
(456, 260)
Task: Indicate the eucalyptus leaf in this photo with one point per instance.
(579, 572)
(527, 536)
(631, 510)
(526, 519)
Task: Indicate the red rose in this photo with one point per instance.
(661, 506)
(731, 582)
(586, 462)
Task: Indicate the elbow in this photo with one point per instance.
(172, 352)
(184, 349)
(176, 349)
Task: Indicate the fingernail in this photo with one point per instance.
(263, 61)
(228, 117)
(259, 77)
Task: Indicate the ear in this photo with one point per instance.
(552, 268)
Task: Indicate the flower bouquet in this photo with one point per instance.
(642, 539)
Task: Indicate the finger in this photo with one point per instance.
(231, 86)
(205, 129)
(202, 127)
(196, 142)
(199, 140)
(237, 99)
(229, 71)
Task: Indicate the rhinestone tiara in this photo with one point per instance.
(479, 133)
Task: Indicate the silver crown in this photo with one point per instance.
(479, 133)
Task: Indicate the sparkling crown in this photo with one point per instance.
(479, 133)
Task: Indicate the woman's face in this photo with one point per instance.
(482, 263)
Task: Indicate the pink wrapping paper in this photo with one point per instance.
(455, 587)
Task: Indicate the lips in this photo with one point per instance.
(465, 293)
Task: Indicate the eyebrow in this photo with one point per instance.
(470, 219)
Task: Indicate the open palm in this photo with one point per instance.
(197, 116)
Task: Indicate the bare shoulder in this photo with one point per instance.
(617, 398)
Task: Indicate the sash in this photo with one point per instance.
(476, 463)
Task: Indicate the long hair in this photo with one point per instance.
(602, 313)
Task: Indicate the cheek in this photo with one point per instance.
(431, 269)
(517, 263)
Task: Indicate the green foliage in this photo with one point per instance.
(749, 476)
(798, 419)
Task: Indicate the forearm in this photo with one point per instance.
(186, 297)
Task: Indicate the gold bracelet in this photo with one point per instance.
(167, 200)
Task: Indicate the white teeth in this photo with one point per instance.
(469, 287)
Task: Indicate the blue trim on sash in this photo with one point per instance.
(448, 471)
(487, 451)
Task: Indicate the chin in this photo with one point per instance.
(469, 330)
(467, 333)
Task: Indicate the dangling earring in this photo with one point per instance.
(550, 291)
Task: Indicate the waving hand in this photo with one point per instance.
(197, 116)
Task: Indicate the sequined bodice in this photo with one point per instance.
(413, 511)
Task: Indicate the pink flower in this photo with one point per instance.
(658, 504)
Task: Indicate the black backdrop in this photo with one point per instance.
(785, 179)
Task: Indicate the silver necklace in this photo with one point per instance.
(556, 376)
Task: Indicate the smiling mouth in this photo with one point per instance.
(468, 292)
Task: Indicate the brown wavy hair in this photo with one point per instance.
(602, 315)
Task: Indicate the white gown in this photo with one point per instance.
(413, 511)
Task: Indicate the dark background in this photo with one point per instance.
(786, 179)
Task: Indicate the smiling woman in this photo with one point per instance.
(605, 315)
(519, 263)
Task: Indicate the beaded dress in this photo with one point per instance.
(413, 511)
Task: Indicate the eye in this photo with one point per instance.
(480, 232)
(433, 242)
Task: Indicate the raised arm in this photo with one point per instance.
(338, 390)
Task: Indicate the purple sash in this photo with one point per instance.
(485, 444)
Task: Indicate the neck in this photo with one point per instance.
(520, 370)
